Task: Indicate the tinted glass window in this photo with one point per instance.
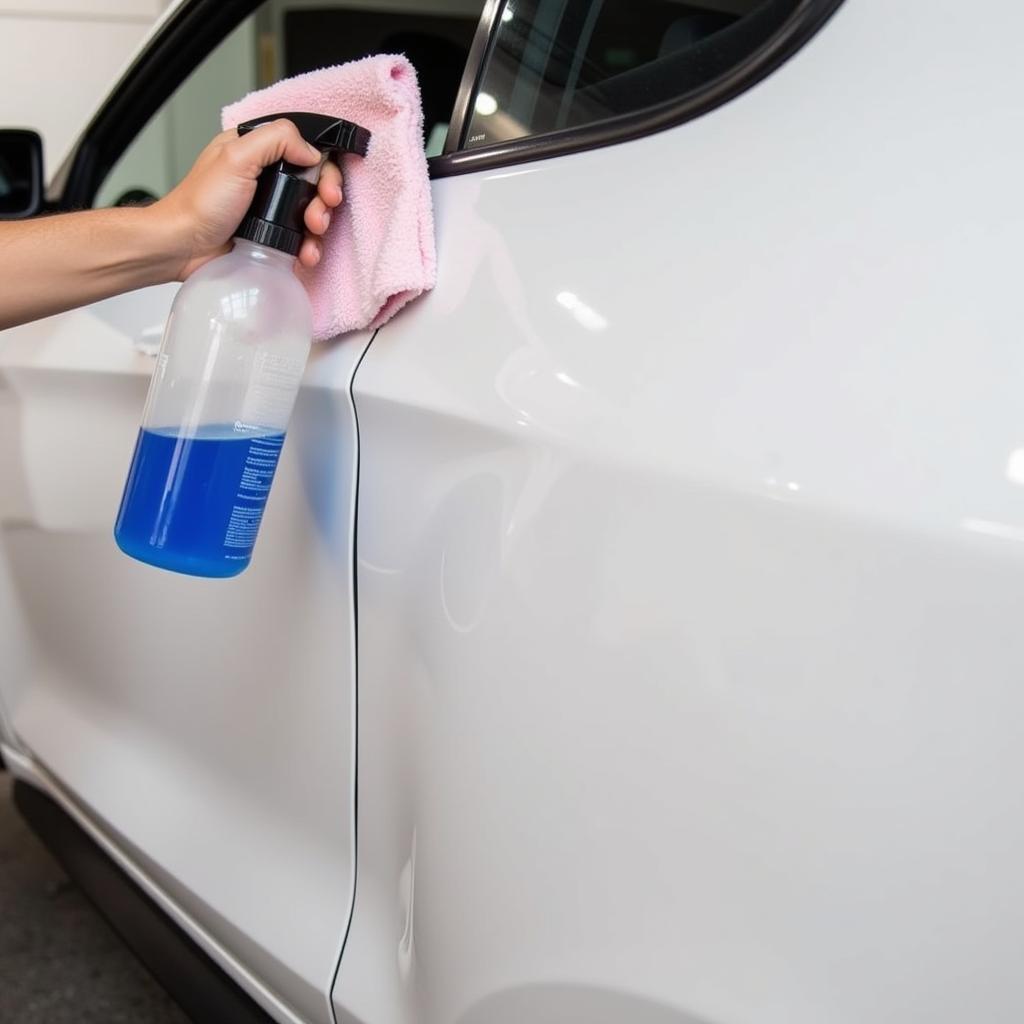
(558, 64)
(436, 44)
(283, 38)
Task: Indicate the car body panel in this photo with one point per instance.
(159, 700)
(689, 566)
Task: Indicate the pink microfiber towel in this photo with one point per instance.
(379, 250)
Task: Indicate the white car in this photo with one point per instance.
(633, 636)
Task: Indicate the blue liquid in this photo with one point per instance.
(194, 504)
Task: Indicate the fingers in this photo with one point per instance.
(329, 187)
(318, 212)
(311, 251)
(317, 216)
(281, 139)
(268, 143)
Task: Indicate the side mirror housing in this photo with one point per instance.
(21, 173)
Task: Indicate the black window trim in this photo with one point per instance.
(476, 60)
(194, 30)
(805, 21)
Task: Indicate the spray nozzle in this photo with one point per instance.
(283, 190)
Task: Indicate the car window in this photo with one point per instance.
(557, 64)
(283, 38)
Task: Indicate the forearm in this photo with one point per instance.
(51, 264)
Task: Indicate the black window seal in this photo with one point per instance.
(476, 61)
(805, 21)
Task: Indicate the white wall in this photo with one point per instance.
(58, 59)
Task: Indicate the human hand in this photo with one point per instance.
(200, 215)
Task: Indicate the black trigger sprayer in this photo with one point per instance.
(284, 190)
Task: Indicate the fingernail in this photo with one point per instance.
(337, 192)
(316, 256)
(327, 219)
(313, 151)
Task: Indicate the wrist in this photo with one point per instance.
(167, 238)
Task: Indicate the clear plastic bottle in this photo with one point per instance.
(233, 354)
(228, 372)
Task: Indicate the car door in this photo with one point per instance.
(204, 734)
(689, 532)
(540, 515)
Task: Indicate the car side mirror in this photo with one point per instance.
(21, 173)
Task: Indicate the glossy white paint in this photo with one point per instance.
(690, 566)
(205, 726)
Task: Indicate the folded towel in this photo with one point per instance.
(379, 250)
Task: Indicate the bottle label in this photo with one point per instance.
(253, 488)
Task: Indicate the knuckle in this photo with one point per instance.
(234, 159)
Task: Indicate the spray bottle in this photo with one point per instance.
(233, 353)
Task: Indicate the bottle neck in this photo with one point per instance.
(263, 253)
